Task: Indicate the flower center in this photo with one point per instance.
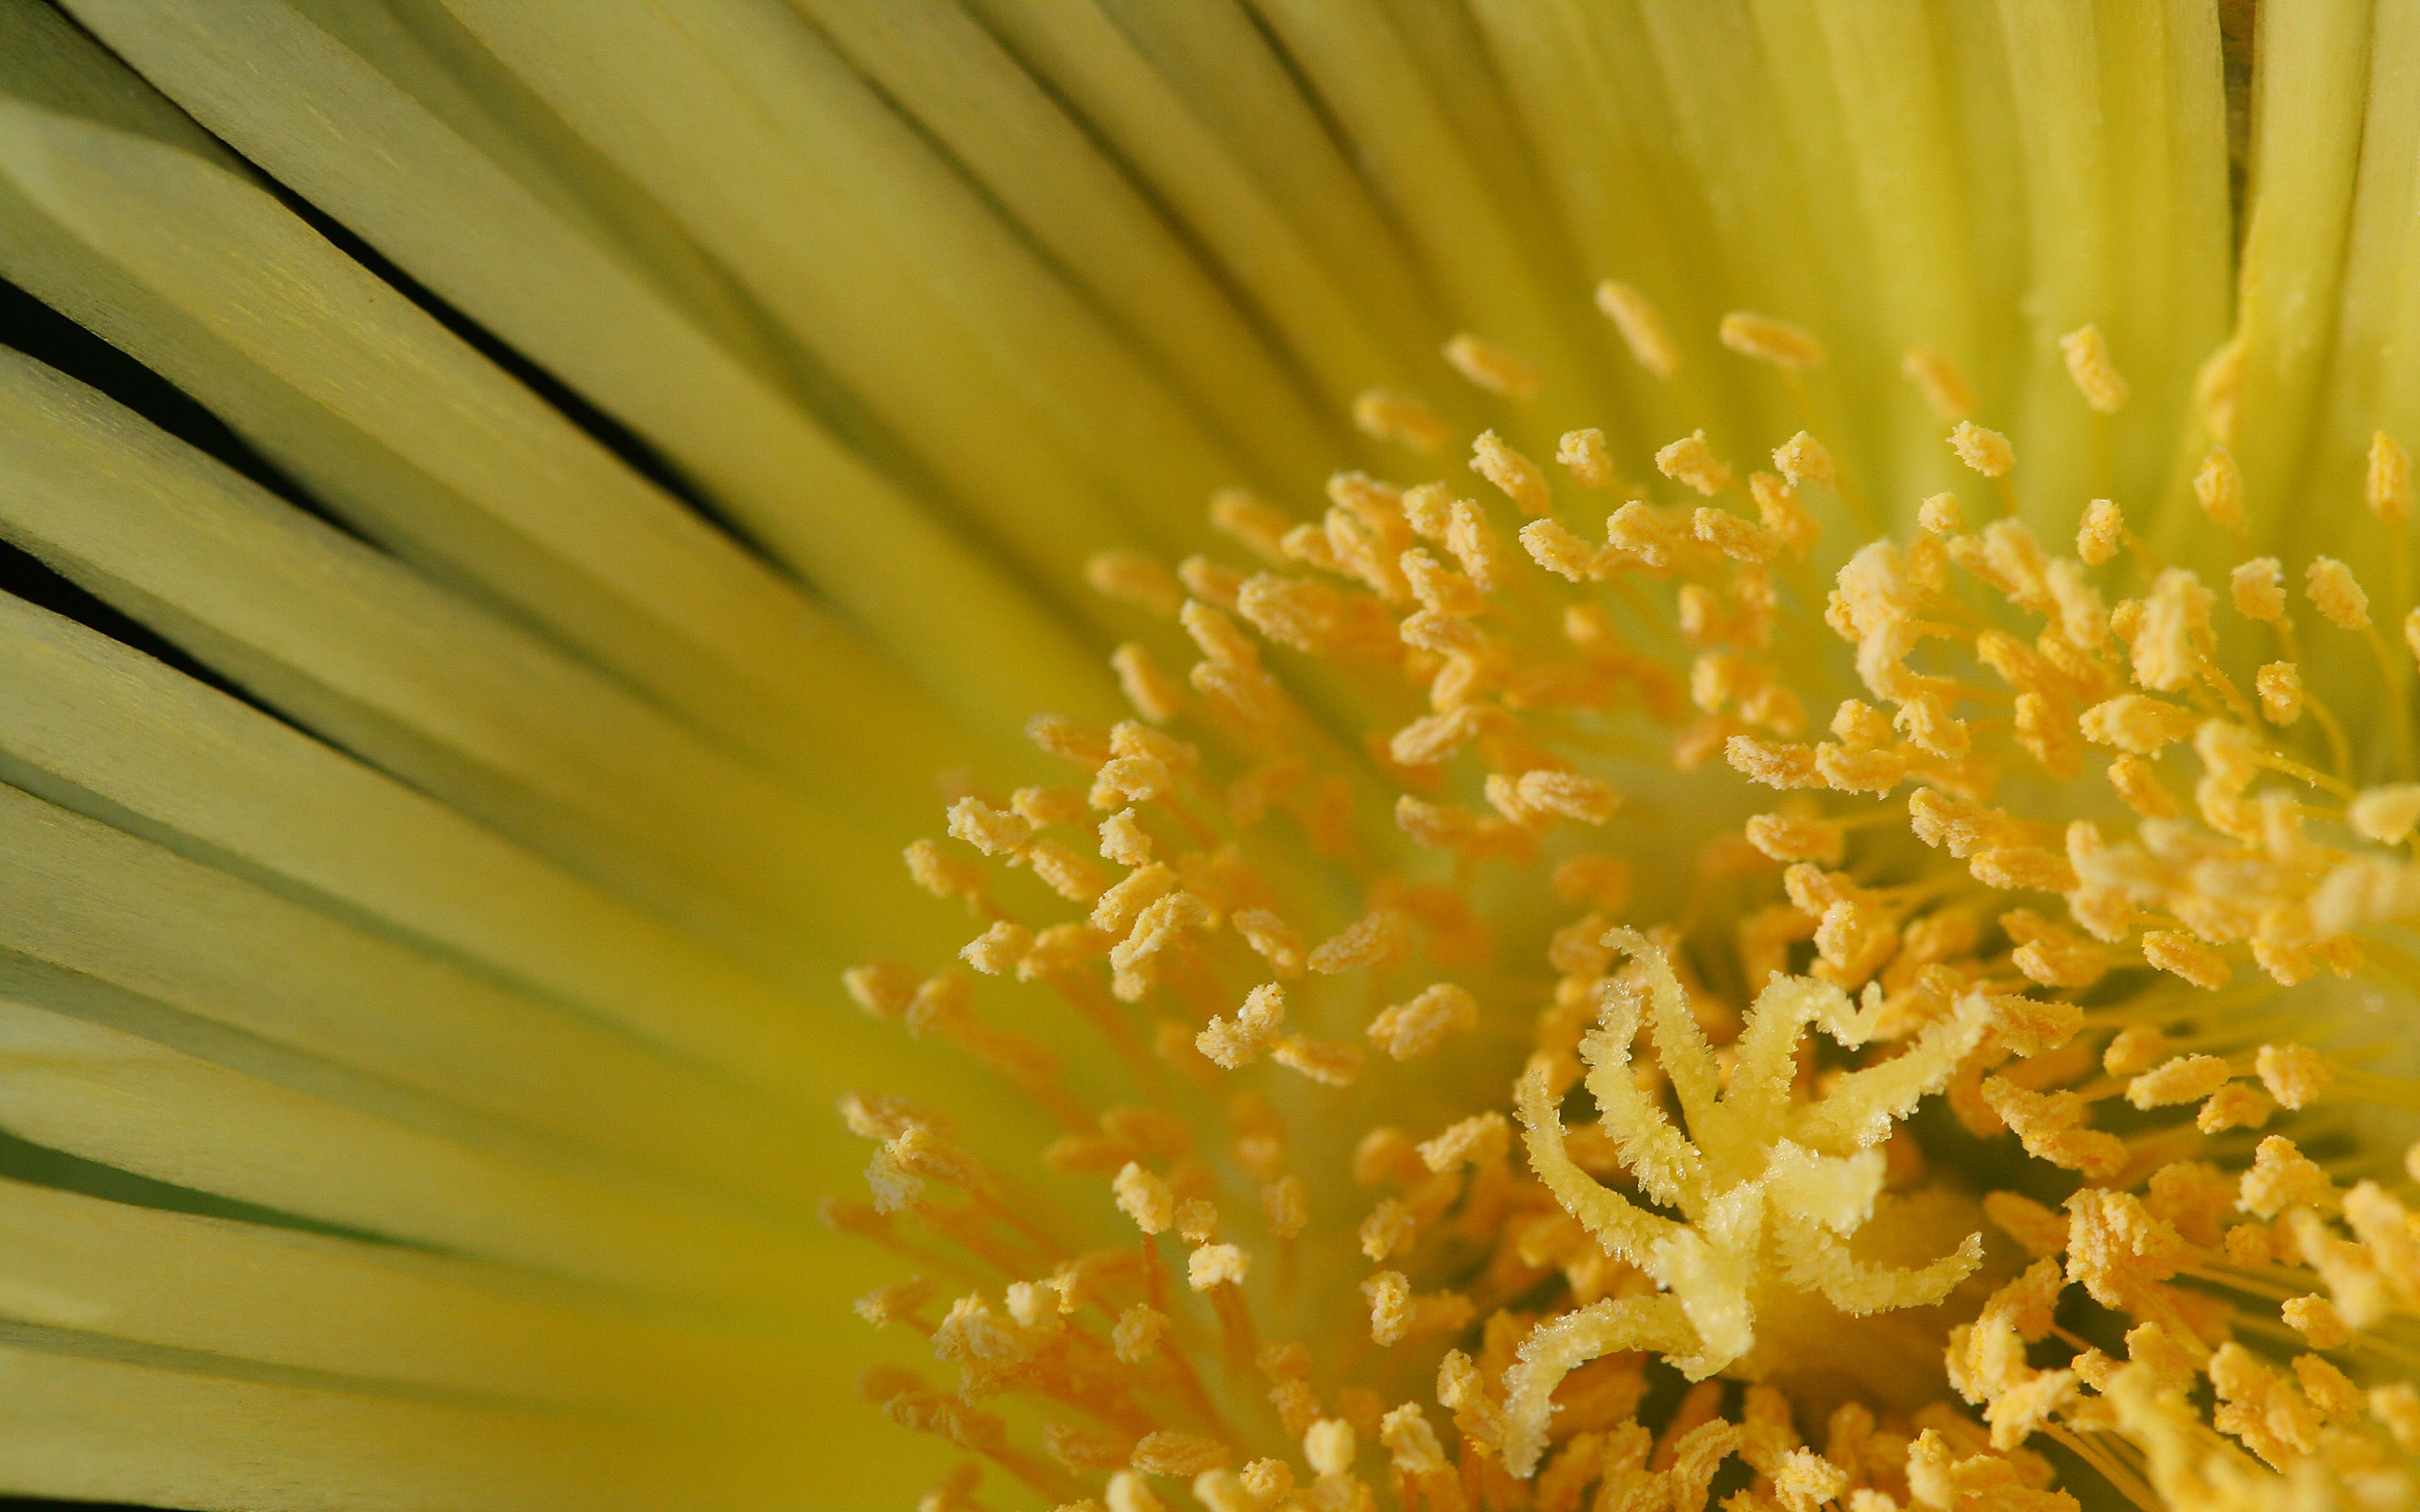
(1297, 976)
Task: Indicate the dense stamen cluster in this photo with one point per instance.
(1312, 957)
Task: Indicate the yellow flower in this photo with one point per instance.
(1531, 957)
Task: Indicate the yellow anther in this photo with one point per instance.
(2217, 391)
(2331, 587)
(2296, 1076)
(1166, 1453)
(1214, 1265)
(1986, 451)
(2316, 1319)
(942, 874)
(1330, 1447)
(1377, 937)
(1491, 366)
(1401, 418)
(1237, 1043)
(2218, 485)
(2386, 814)
(1405, 1030)
(2100, 532)
(1249, 523)
(1285, 1203)
(2183, 956)
(1556, 549)
(1767, 339)
(1133, 579)
(1145, 1198)
(1690, 460)
(1641, 327)
(1938, 379)
(2258, 587)
(2281, 1177)
(1331, 1065)
(2180, 1079)
(997, 950)
(2280, 686)
(1582, 454)
(1518, 476)
(1154, 695)
(1803, 460)
(2094, 371)
(1941, 515)
(2176, 621)
(2388, 488)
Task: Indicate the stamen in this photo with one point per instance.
(1492, 368)
(1641, 327)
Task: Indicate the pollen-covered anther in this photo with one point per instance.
(1152, 693)
(1552, 546)
(1986, 451)
(1406, 1030)
(1789, 837)
(2316, 1320)
(2181, 955)
(1690, 460)
(2387, 814)
(998, 950)
(1482, 1137)
(1272, 938)
(2100, 532)
(2281, 687)
(2387, 486)
(2296, 1076)
(2050, 1127)
(1331, 1065)
(1740, 540)
(1513, 474)
(1767, 339)
(1583, 455)
(1492, 367)
(2092, 370)
(1937, 378)
(1145, 1198)
(1216, 1264)
(2137, 723)
(1402, 418)
(2333, 591)
(1135, 1336)
(1377, 937)
(1398, 1314)
(2180, 1079)
(2281, 1177)
(2217, 487)
(1235, 1043)
(1642, 328)
(1131, 577)
(1537, 798)
(942, 874)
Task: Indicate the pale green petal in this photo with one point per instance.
(2307, 137)
(381, 1313)
(83, 1421)
(97, 728)
(341, 131)
(143, 1106)
(462, 703)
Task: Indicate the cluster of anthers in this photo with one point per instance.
(1749, 1240)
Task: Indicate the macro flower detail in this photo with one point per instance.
(1648, 754)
